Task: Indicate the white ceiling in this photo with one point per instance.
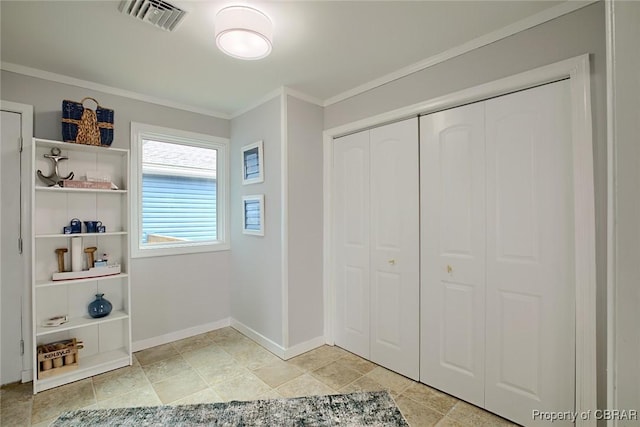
(321, 48)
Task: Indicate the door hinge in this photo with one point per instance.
(20, 245)
(21, 347)
(20, 144)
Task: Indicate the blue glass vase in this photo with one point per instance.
(99, 307)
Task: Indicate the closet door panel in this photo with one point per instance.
(530, 283)
(453, 251)
(395, 247)
(351, 242)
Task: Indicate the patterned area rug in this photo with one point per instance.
(355, 409)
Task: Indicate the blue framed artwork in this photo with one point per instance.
(253, 215)
(252, 163)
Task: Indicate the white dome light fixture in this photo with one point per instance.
(243, 32)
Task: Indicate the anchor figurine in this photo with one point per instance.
(54, 178)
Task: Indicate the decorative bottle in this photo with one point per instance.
(99, 307)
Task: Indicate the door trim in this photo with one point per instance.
(26, 112)
(577, 71)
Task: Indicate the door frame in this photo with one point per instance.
(26, 113)
(576, 69)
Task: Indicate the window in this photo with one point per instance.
(179, 191)
(253, 215)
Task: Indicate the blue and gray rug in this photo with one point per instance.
(355, 409)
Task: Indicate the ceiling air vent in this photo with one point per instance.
(156, 12)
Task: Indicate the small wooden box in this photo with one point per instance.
(57, 357)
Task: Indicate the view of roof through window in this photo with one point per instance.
(162, 157)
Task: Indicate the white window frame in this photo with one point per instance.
(140, 132)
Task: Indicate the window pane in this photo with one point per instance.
(252, 215)
(251, 166)
(179, 193)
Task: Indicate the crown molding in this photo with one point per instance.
(60, 78)
(492, 37)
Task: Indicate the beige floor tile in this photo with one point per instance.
(255, 357)
(450, 422)
(362, 384)
(17, 414)
(393, 382)
(277, 373)
(224, 334)
(192, 343)
(51, 403)
(236, 345)
(467, 414)
(433, 398)
(317, 358)
(179, 387)
(145, 396)
(304, 385)
(418, 415)
(220, 370)
(357, 363)
(271, 394)
(203, 396)
(120, 381)
(243, 387)
(156, 354)
(166, 368)
(16, 394)
(336, 375)
(204, 356)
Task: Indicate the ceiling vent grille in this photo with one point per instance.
(156, 12)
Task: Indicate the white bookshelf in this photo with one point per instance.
(107, 340)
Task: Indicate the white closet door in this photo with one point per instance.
(12, 277)
(530, 338)
(395, 247)
(351, 242)
(453, 251)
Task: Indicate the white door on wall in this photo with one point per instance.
(395, 251)
(376, 249)
(498, 289)
(12, 278)
(530, 337)
(453, 251)
(351, 242)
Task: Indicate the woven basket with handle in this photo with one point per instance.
(83, 125)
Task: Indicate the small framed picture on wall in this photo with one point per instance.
(253, 215)
(252, 163)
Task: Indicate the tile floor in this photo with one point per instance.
(224, 365)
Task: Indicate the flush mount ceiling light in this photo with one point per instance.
(243, 32)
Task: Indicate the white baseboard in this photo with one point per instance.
(178, 335)
(303, 347)
(275, 348)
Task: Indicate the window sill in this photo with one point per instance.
(179, 250)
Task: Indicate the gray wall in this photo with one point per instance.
(626, 126)
(256, 279)
(577, 33)
(304, 136)
(170, 293)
